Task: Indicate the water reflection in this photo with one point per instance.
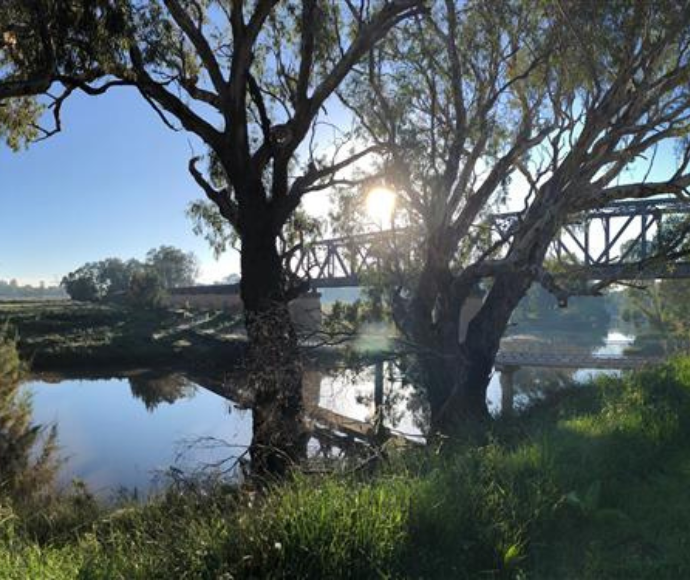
(120, 432)
(351, 393)
(111, 440)
(530, 383)
(153, 390)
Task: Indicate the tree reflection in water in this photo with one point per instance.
(340, 407)
(155, 389)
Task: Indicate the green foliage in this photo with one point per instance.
(590, 484)
(82, 285)
(27, 451)
(112, 278)
(209, 224)
(349, 317)
(539, 310)
(660, 313)
(173, 266)
(96, 281)
(18, 118)
(146, 289)
(329, 528)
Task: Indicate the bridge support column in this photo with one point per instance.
(470, 309)
(507, 381)
(306, 312)
(311, 390)
(378, 387)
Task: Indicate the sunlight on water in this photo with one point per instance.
(351, 394)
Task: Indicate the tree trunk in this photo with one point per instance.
(456, 376)
(274, 366)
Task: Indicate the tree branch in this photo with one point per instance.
(171, 103)
(226, 206)
(199, 42)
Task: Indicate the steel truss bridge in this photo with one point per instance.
(606, 243)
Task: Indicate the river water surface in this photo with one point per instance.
(124, 433)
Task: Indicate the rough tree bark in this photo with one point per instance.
(457, 381)
(273, 364)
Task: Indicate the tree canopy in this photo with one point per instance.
(113, 278)
(173, 266)
(561, 106)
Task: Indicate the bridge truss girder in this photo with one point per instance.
(604, 243)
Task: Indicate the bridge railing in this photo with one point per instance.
(347, 261)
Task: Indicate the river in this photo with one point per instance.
(126, 432)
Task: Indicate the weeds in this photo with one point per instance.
(592, 485)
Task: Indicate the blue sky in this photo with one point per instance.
(113, 183)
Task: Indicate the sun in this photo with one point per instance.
(380, 205)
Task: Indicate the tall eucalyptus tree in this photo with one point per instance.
(250, 79)
(554, 104)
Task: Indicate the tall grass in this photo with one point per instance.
(593, 485)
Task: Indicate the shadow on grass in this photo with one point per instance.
(592, 484)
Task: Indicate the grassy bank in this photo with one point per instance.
(83, 339)
(592, 485)
(65, 335)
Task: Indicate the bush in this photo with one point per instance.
(27, 451)
(146, 289)
(81, 285)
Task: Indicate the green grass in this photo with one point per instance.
(591, 484)
(72, 336)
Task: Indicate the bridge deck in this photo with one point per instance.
(569, 360)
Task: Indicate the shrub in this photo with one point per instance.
(27, 451)
(146, 289)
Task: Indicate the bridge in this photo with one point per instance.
(514, 355)
(572, 360)
(600, 244)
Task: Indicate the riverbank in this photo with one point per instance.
(83, 337)
(591, 483)
(106, 340)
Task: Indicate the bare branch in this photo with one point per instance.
(171, 103)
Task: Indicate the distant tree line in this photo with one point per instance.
(114, 279)
(538, 311)
(12, 290)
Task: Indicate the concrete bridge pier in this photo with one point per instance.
(304, 310)
(507, 380)
(378, 386)
(380, 431)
